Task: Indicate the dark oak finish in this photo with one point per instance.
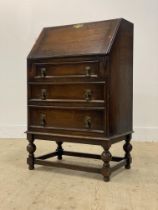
(78, 39)
(50, 118)
(69, 70)
(80, 90)
(84, 92)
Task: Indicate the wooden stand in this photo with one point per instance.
(106, 157)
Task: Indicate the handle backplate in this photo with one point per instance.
(43, 94)
(88, 122)
(88, 95)
(43, 72)
(43, 120)
(88, 71)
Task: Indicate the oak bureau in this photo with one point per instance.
(80, 90)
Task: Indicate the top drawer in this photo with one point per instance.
(56, 71)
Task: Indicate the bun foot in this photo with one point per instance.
(106, 178)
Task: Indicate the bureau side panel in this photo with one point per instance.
(121, 81)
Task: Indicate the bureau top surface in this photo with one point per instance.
(75, 40)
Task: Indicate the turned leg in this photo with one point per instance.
(59, 150)
(31, 148)
(106, 157)
(127, 148)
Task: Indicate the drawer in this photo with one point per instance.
(50, 118)
(67, 92)
(51, 71)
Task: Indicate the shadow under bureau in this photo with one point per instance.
(80, 90)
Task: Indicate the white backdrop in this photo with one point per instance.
(20, 25)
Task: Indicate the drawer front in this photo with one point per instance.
(49, 118)
(50, 71)
(84, 92)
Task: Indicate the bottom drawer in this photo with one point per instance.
(50, 118)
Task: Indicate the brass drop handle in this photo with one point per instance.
(87, 122)
(43, 94)
(43, 120)
(88, 71)
(88, 95)
(43, 72)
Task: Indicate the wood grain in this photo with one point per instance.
(71, 41)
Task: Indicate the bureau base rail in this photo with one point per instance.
(40, 160)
